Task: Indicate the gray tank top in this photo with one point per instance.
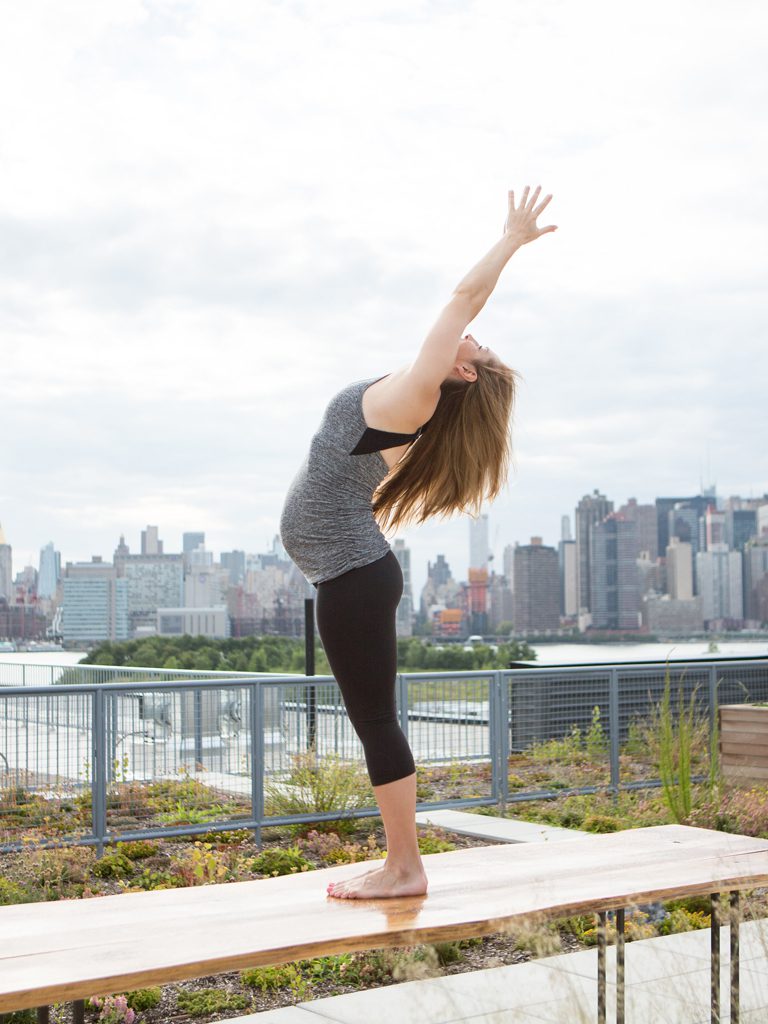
(327, 524)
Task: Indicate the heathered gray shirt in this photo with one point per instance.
(327, 524)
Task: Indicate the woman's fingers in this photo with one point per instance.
(524, 200)
(534, 197)
(542, 205)
(549, 227)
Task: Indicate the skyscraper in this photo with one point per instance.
(536, 600)
(680, 569)
(479, 550)
(719, 575)
(6, 568)
(404, 621)
(592, 508)
(49, 572)
(95, 603)
(150, 542)
(644, 516)
(614, 578)
(189, 542)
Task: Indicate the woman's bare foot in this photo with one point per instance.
(381, 883)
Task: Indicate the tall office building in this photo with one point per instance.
(569, 590)
(756, 579)
(150, 542)
(646, 521)
(189, 542)
(95, 603)
(565, 528)
(6, 568)
(680, 569)
(479, 550)
(614, 578)
(153, 581)
(665, 505)
(719, 575)
(49, 572)
(234, 563)
(740, 527)
(536, 600)
(714, 528)
(592, 509)
(404, 619)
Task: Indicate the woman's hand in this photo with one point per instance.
(521, 226)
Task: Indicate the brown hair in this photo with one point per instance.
(461, 459)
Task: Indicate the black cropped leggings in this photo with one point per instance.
(356, 621)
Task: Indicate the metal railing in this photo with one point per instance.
(222, 745)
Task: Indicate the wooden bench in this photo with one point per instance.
(72, 949)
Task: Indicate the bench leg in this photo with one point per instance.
(43, 1015)
(620, 966)
(601, 984)
(715, 956)
(734, 930)
(78, 1011)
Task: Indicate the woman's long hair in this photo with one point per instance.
(461, 459)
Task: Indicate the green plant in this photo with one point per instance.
(144, 998)
(319, 786)
(212, 1000)
(137, 849)
(21, 1017)
(595, 741)
(600, 823)
(11, 893)
(328, 848)
(114, 865)
(269, 979)
(675, 748)
(277, 861)
(201, 866)
(682, 920)
(430, 842)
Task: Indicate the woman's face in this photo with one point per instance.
(471, 349)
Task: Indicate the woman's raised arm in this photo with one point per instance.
(437, 355)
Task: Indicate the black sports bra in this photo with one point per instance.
(374, 440)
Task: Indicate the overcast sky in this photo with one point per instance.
(214, 215)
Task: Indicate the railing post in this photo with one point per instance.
(613, 718)
(310, 692)
(197, 704)
(257, 759)
(402, 700)
(98, 771)
(712, 681)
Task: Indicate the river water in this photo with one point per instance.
(548, 654)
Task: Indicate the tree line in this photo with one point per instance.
(286, 654)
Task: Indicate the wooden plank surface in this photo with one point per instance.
(50, 952)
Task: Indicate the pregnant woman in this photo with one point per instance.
(427, 440)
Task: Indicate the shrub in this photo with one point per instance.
(144, 998)
(269, 979)
(137, 849)
(430, 842)
(319, 786)
(682, 920)
(600, 823)
(201, 866)
(112, 1009)
(328, 848)
(57, 870)
(277, 861)
(11, 893)
(212, 1000)
(114, 865)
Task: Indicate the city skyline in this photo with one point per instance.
(200, 248)
(423, 543)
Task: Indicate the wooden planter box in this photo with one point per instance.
(744, 742)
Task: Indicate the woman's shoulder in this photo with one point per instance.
(393, 402)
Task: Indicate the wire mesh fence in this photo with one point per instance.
(103, 753)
